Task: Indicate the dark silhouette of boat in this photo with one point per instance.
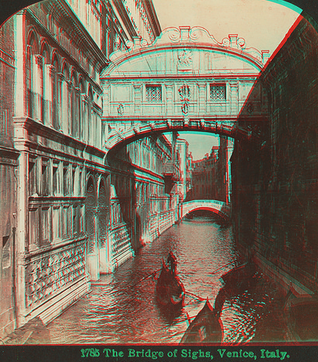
(240, 278)
(205, 328)
(235, 281)
(169, 289)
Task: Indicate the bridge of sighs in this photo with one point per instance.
(184, 81)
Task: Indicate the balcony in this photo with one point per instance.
(171, 171)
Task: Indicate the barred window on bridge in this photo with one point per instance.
(153, 93)
(217, 92)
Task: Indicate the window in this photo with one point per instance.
(80, 184)
(33, 227)
(74, 188)
(45, 225)
(81, 219)
(217, 92)
(56, 223)
(75, 221)
(65, 222)
(56, 187)
(153, 93)
(66, 180)
(45, 178)
(32, 177)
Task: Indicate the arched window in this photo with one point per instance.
(82, 110)
(32, 50)
(65, 100)
(74, 107)
(45, 87)
(55, 93)
(90, 119)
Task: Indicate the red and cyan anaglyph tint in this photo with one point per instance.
(158, 167)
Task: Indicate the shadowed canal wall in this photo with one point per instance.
(275, 174)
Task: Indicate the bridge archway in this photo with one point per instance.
(219, 208)
(210, 209)
(120, 139)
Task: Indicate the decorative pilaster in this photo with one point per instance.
(202, 98)
(137, 98)
(234, 97)
(169, 99)
(20, 102)
(106, 97)
(22, 234)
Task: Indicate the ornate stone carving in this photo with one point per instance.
(185, 94)
(39, 60)
(144, 17)
(185, 60)
(120, 109)
(53, 270)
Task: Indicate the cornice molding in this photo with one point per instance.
(8, 153)
(40, 129)
(107, 80)
(151, 12)
(125, 18)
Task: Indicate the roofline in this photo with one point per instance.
(155, 48)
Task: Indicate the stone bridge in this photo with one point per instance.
(139, 130)
(215, 206)
(185, 80)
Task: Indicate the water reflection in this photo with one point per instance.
(123, 309)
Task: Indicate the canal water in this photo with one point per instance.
(121, 307)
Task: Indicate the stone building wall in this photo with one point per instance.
(275, 199)
(58, 210)
(144, 207)
(204, 175)
(211, 175)
(8, 183)
(57, 132)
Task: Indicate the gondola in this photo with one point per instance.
(240, 278)
(205, 328)
(169, 289)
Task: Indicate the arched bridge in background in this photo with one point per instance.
(218, 207)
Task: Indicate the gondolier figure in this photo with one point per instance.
(169, 289)
(172, 262)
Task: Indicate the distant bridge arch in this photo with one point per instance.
(218, 207)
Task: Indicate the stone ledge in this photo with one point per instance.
(33, 332)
